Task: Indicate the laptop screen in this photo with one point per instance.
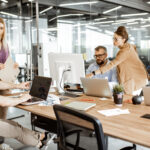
(40, 87)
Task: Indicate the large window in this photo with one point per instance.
(79, 26)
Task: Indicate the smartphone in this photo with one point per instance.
(147, 116)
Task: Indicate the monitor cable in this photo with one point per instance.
(64, 71)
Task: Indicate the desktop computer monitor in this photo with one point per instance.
(66, 68)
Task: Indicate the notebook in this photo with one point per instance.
(80, 105)
(9, 73)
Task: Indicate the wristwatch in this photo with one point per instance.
(93, 72)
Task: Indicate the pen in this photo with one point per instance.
(87, 100)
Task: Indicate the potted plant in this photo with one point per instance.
(118, 92)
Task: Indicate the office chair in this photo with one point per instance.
(77, 130)
(1, 140)
(129, 147)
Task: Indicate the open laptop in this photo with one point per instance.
(39, 90)
(146, 93)
(96, 87)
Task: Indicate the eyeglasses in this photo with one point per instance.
(116, 39)
(99, 56)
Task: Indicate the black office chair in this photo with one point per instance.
(77, 130)
(129, 147)
(1, 140)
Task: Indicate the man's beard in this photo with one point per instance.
(100, 63)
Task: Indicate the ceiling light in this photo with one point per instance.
(113, 9)
(51, 29)
(65, 21)
(130, 15)
(82, 24)
(67, 15)
(30, 0)
(80, 3)
(91, 27)
(98, 19)
(5, 1)
(148, 2)
(28, 21)
(47, 9)
(104, 25)
(113, 17)
(118, 23)
(103, 22)
(8, 14)
(127, 20)
(148, 25)
(131, 23)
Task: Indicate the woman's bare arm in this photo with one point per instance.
(6, 101)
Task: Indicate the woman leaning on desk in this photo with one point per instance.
(4, 53)
(131, 71)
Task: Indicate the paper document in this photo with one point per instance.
(114, 112)
(9, 73)
(103, 98)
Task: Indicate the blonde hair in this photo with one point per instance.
(3, 39)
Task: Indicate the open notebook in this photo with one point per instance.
(9, 73)
(80, 105)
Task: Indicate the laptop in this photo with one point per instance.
(80, 105)
(39, 90)
(96, 87)
(146, 93)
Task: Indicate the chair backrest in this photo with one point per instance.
(77, 130)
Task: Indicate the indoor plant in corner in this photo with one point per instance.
(118, 92)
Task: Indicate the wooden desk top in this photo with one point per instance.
(130, 127)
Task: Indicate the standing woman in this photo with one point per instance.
(4, 53)
(131, 71)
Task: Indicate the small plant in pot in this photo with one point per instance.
(118, 92)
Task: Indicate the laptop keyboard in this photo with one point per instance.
(34, 99)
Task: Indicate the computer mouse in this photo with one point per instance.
(136, 100)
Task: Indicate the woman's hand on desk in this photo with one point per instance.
(16, 65)
(2, 66)
(24, 85)
(25, 97)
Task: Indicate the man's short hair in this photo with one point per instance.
(101, 47)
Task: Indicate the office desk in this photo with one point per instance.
(129, 127)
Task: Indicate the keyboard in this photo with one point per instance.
(34, 99)
(69, 94)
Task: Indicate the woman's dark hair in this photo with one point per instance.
(121, 31)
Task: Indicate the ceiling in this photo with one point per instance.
(83, 12)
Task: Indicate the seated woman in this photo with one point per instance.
(11, 129)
